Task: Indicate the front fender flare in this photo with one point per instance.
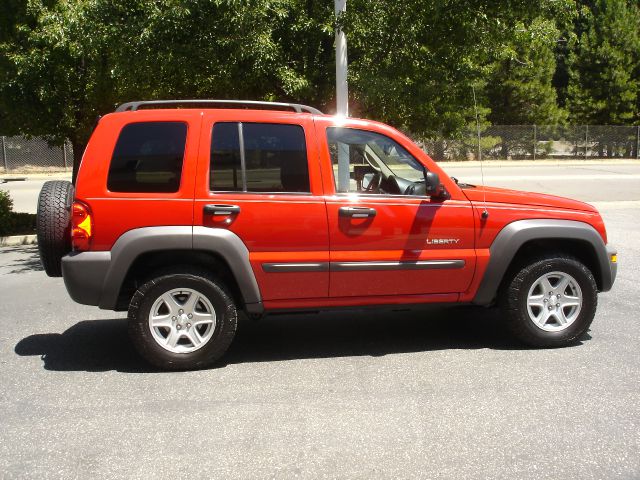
(514, 235)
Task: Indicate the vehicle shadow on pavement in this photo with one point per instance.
(372, 333)
(27, 260)
(103, 345)
(90, 345)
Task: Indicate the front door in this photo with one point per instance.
(387, 237)
(259, 177)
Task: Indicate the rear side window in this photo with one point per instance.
(148, 158)
(225, 158)
(259, 157)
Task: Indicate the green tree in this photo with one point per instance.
(66, 62)
(520, 90)
(604, 63)
(60, 70)
(413, 63)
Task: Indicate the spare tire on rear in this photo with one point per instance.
(53, 225)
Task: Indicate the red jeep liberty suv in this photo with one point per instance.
(186, 212)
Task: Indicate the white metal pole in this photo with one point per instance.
(342, 97)
(342, 91)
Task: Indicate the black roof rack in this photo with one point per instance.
(133, 106)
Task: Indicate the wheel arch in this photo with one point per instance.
(139, 252)
(522, 239)
(148, 263)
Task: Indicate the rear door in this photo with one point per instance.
(259, 177)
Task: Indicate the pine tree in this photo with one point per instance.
(603, 84)
(520, 90)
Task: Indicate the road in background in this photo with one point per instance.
(25, 193)
(588, 182)
(437, 393)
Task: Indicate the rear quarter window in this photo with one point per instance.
(148, 158)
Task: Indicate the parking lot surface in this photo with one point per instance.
(441, 392)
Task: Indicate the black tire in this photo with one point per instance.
(53, 225)
(226, 319)
(515, 291)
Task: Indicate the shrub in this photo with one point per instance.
(23, 223)
(14, 223)
(6, 205)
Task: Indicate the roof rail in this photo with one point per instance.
(133, 106)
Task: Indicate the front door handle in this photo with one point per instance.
(357, 212)
(213, 209)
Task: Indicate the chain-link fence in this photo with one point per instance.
(24, 155)
(497, 142)
(533, 142)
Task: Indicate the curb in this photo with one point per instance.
(26, 176)
(15, 240)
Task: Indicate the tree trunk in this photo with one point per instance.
(78, 151)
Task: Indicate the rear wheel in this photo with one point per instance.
(550, 302)
(53, 225)
(182, 320)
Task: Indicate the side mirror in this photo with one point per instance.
(431, 183)
(433, 187)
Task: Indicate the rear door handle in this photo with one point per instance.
(213, 209)
(357, 212)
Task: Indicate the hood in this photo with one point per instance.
(503, 195)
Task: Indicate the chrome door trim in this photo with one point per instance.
(397, 265)
(295, 267)
(362, 266)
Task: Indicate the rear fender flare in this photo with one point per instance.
(136, 242)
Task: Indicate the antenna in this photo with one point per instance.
(485, 213)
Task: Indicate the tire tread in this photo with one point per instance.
(200, 359)
(521, 326)
(53, 224)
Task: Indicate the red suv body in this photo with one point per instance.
(298, 210)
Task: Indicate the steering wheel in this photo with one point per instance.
(413, 188)
(374, 184)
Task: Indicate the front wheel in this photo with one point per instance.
(550, 302)
(183, 320)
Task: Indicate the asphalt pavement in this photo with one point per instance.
(438, 393)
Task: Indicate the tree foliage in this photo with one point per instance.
(413, 63)
(66, 62)
(604, 86)
(60, 69)
(520, 90)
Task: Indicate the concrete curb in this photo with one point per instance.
(37, 176)
(15, 240)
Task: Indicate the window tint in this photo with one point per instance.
(148, 158)
(225, 153)
(274, 157)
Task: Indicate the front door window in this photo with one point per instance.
(371, 163)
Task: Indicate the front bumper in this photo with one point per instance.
(609, 276)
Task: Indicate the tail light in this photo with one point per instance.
(81, 226)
